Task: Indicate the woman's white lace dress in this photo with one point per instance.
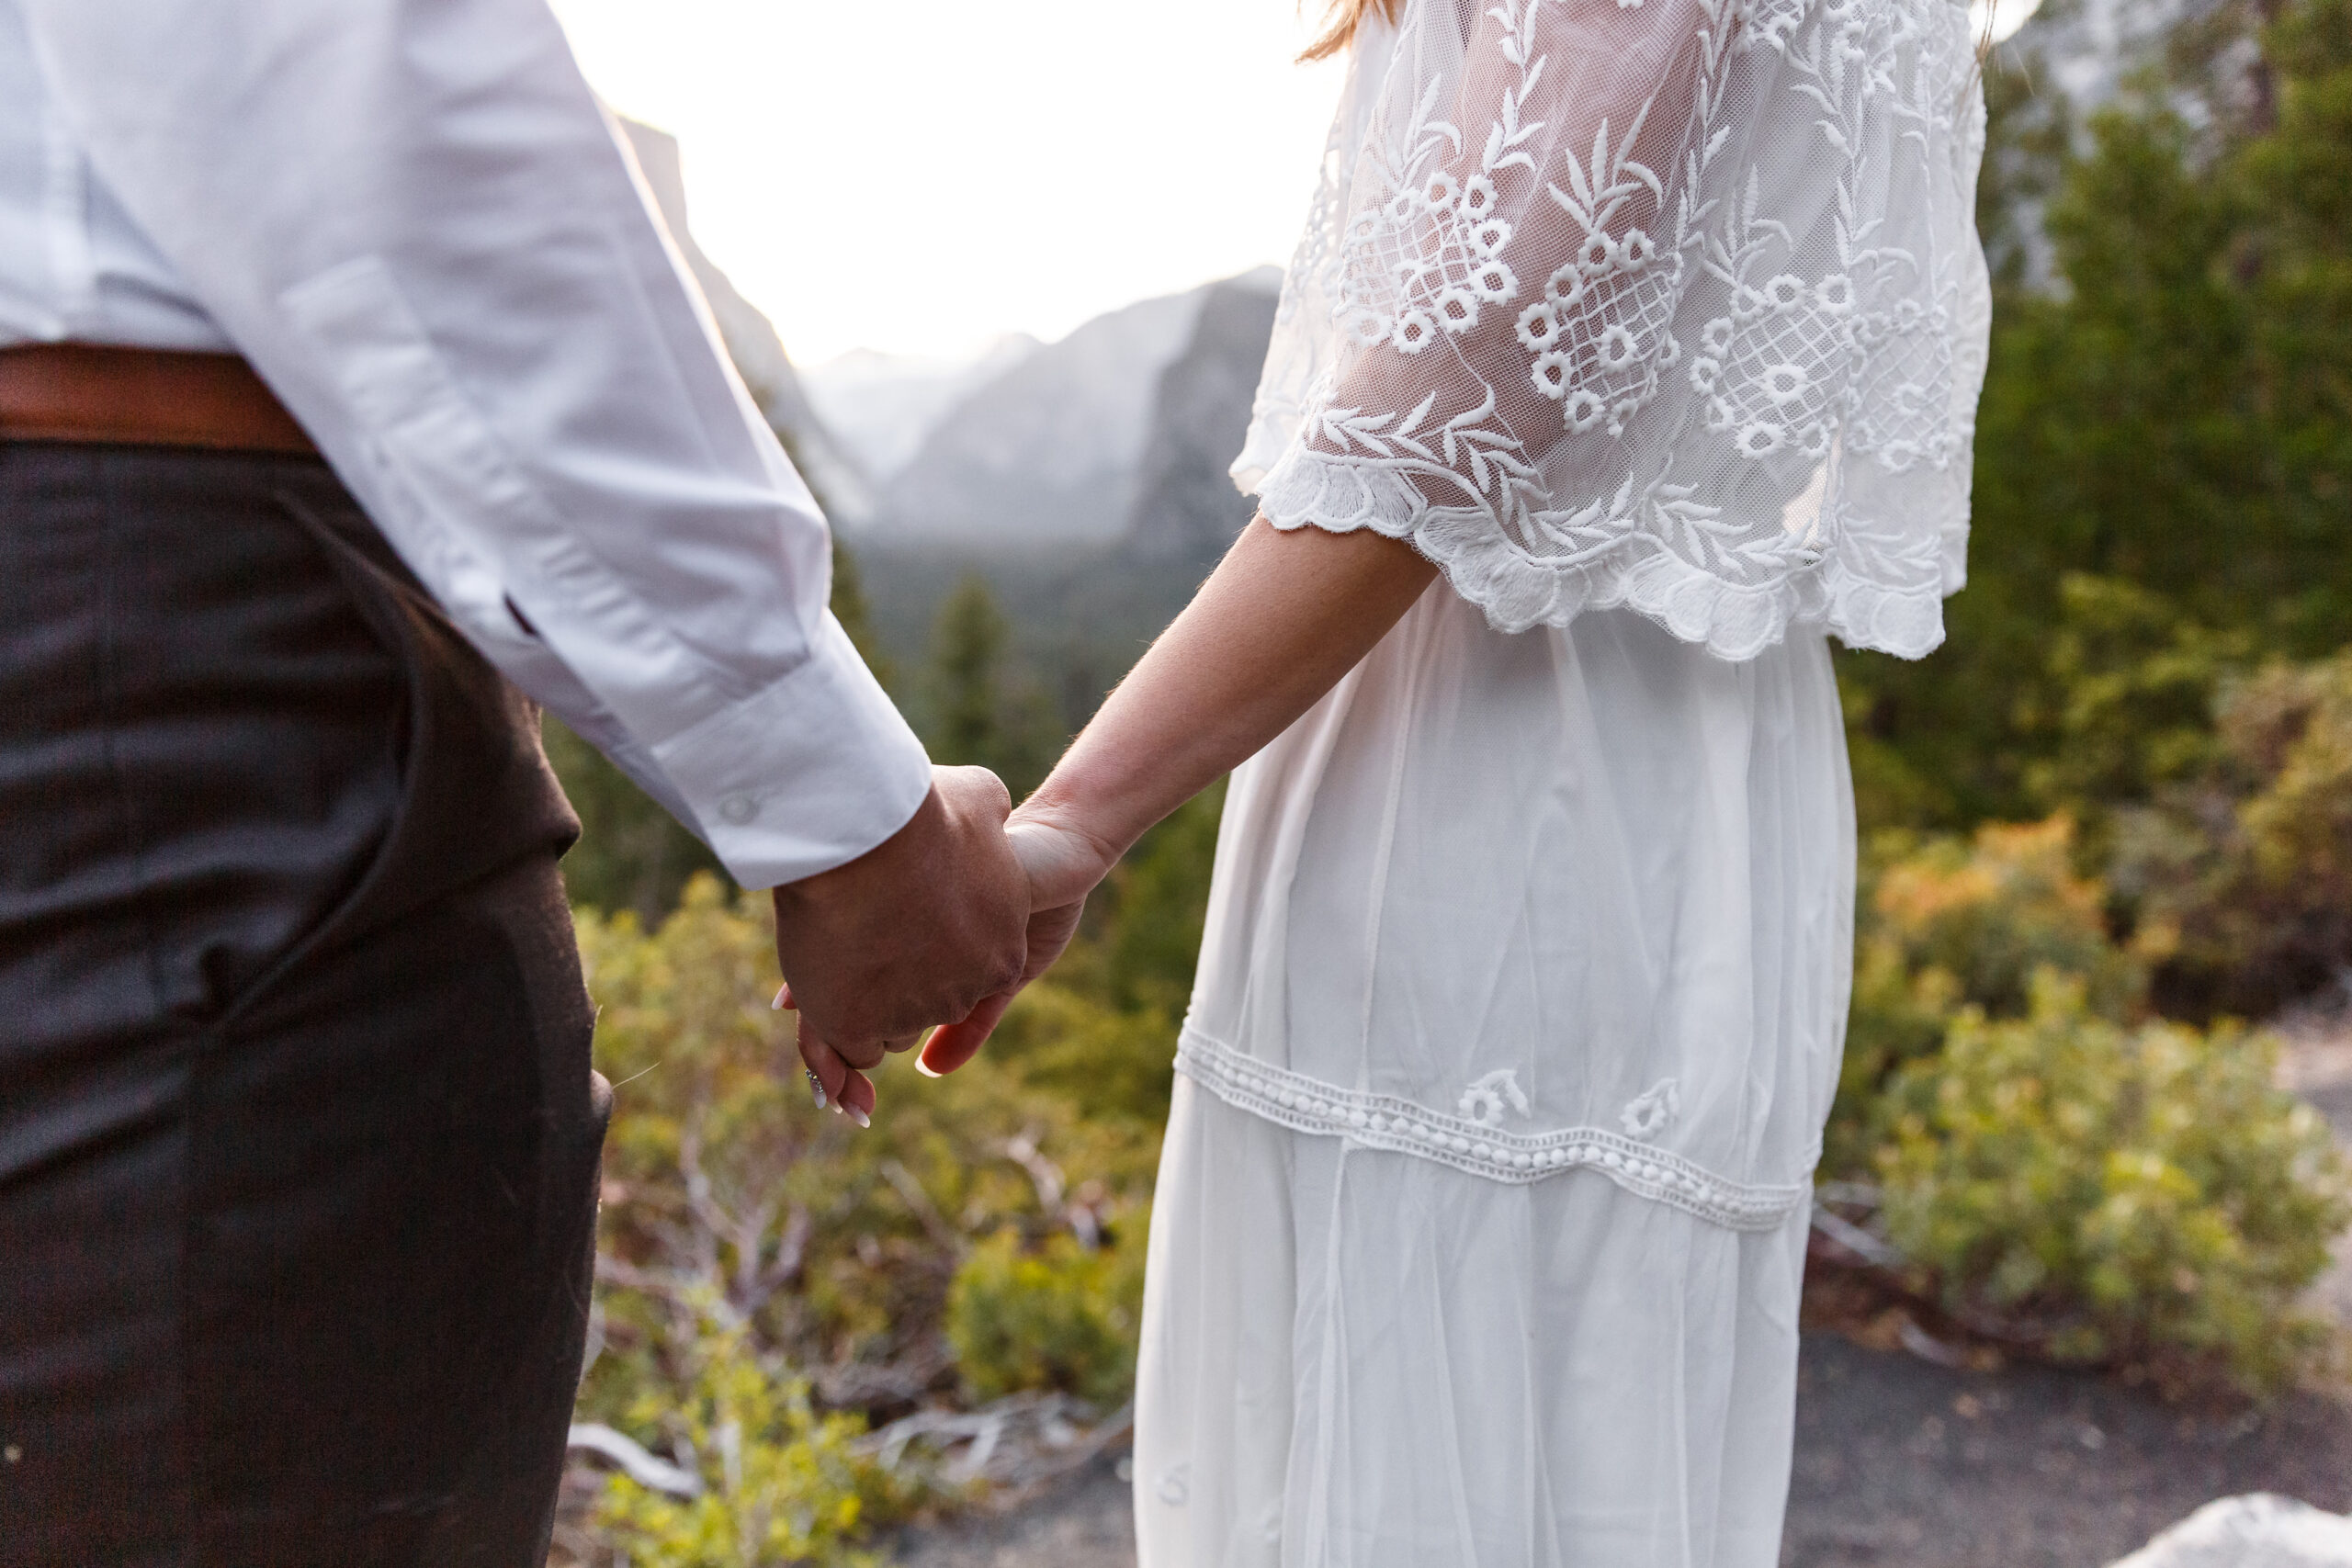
(1658, 325)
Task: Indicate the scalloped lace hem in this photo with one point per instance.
(1518, 592)
(1384, 1121)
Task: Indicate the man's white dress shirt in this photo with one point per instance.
(415, 221)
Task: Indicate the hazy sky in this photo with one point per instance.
(923, 174)
(920, 175)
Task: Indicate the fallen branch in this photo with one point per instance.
(1854, 1246)
(863, 1385)
(637, 1461)
(919, 1202)
(1870, 1249)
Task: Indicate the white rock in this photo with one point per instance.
(2257, 1532)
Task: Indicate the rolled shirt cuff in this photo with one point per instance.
(805, 776)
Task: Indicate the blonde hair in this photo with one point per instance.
(1340, 19)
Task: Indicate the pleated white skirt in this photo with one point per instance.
(1479, 1231)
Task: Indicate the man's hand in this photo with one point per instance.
(915, 933)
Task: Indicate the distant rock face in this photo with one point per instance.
(750, 341)
(1046, 454)
(2258, 1531)
(1186, 507)
(883, 406)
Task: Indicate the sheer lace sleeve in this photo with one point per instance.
(1675, 304)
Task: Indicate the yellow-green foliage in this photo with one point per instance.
(1106, 1062)
(745, 1232)
(1056, 1317)
(1990, 910)
(707, 1076)
(782, 1484)
(2144, 1195)
(1944, 922)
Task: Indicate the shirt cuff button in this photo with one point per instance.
(739, 809)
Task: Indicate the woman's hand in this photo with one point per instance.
(1064, 863)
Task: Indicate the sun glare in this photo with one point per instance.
(922, 177)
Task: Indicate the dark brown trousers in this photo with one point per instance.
(298, 1135)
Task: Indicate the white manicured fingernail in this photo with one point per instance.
(817, 1087)
(860, 1117)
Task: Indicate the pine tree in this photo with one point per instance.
(980, 712)
(2173, 411)
(967, 674)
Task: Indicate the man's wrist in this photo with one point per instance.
(810, 775)
(843, 884)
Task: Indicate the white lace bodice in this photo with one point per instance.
(1674, 304)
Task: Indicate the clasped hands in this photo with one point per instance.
(935, 929)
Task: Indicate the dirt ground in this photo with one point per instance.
(1900, 1463)
(1903, 1463)
(2318, 1066)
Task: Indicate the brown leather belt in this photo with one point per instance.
(141, 396)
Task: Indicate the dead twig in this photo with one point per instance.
(918, 1201)
(1019, 1443)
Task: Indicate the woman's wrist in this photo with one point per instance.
(1067, 854)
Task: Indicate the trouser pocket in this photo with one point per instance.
(474, 793)
(394, 1160)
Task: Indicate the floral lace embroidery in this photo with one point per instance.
(1384, 1121)
(1653, 1113)
(1485, 1100)
(1769, 307)
(1429, 259)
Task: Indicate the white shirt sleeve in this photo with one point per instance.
(417, 223)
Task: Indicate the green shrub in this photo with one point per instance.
(2130, 684)
(1105, 1062)
(1058, 1317)
(1159, 899)
(2143, 1196)
(781, 1485)
(2243, 880)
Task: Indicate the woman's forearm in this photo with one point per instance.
(1283, 617)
